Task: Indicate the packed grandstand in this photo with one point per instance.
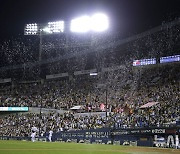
(119, 90)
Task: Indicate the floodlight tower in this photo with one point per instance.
(43, 29)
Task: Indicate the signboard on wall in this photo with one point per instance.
(14, 108)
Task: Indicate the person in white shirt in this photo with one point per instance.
(177, 141)
(50, 135)
(33, 136)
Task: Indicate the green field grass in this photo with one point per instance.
(25, 147)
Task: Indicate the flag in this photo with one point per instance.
(102, 107)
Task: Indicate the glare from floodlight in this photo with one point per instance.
(81, 24)
(99, 22)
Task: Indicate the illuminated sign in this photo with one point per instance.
(144, 62)
(14, 108)
(169, 59)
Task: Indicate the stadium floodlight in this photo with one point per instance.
(31, 29)
(98, 23)
(49, 28)
(81, 24)
(55, 27)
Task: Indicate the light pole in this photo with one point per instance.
(40, 46)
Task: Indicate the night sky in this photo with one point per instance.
(127, 16)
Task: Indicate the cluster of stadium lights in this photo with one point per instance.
(31, 29)
(97, 23)
(55, 27)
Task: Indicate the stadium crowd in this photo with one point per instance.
(123, 104)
